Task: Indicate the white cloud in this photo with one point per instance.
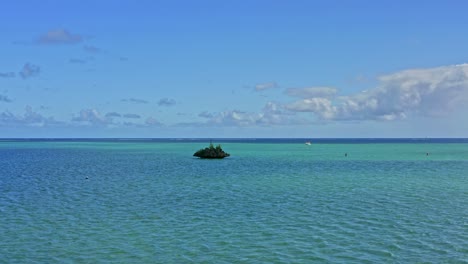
(91, 49)
(166, 102)
(151, 122)
(5, 99)
(311, 92)
(92, 117)
(206, 114)
(427, 92)
(134, 116)
(29, 118)
(321, 106)
(227, 118)
(235, 118)
(77, 61)
(29, 70)
(113, 114)
(7, 74)
(135, 100)
(271, 114)
(265, 86)
(59, 36)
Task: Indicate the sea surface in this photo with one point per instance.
(272, 201)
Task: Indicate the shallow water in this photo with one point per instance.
(68, 202)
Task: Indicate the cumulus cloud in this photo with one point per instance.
(234, 118)
(135, 116)
(92, 117)
(321, 106)
(265, 86)
(29, 118)
(166, 102)
(276, 114)
(428, 92)
(32, 117)
(59, 36)
(135, 100)
(29, 70)
(7, 74)
(151, 122)
(5, 99)
(312, 92)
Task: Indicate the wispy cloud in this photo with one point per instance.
(166, 102)
(206, 114)
(271, 115)
(77, 61)
(59, 36)
(426, 92)
(29, 70)
(135, 116)
(5, 99)
(312, 92)
(93, 118)
(148, 123)
(113, 114)
(135, 100)
(91, 49)
(7, 75)
(265, 86)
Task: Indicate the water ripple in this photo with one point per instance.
(156, 204)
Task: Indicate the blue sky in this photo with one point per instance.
(233, 69)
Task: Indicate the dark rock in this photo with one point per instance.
(211, 153)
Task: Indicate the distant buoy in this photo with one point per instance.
(427, 153)
(346, 154)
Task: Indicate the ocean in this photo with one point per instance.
(271, 201)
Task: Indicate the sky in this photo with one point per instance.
(190, 69)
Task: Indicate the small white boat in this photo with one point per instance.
(308, 143)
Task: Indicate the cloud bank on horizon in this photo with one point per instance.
(434, 92)
(88, 78)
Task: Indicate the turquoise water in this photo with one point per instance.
(94, 202)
